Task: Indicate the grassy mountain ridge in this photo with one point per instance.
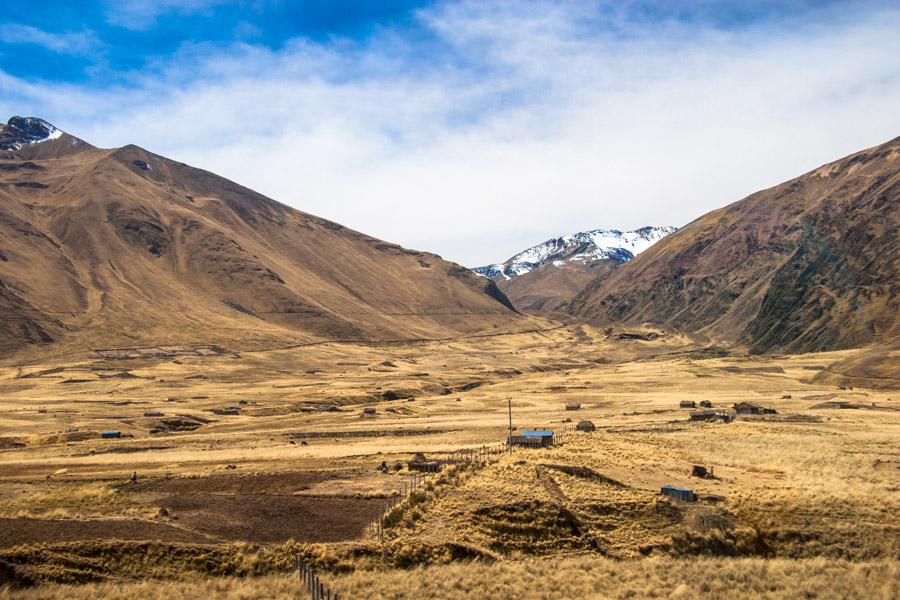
(125, 247)
(811, 264)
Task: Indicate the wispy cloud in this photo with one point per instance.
(143, 14)
(78, 42)
(498, 125)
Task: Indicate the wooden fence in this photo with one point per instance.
(311, 584)
(481, 453)
(317, 589)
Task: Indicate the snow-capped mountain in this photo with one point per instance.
(20, 131)
(585, 247)
(30, 138)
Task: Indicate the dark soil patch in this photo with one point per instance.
(11, 442)
(585, 473)
(733, 369)
(261, 484)
(14, 532)
(369, 433)
(273, 519)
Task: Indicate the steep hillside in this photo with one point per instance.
(811, 264)
(544, 278)
(107, 248)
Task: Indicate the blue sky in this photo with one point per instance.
(470, 128)
(71, 41)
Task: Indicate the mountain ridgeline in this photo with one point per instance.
(811, 264)
(544, 278)
(122, 247)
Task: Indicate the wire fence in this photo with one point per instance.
(316, 587)
(311, 583)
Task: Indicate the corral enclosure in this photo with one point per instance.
(295, 467)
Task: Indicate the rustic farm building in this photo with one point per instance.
(688, 404)
(682, 494)
(706, 404)
(420, 463)
(712, 414)
(110, 434)
(585, 426)
(751, 408)
(573, 405)
(701, 472)
(526, 442)
(533, 439)
(369, 410)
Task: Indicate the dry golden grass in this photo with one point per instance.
(73, 500)
(711, 578)
(812, 483)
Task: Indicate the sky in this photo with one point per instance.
(470, 129)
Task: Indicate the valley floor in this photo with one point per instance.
(245, 460)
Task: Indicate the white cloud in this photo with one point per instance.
(143, 14)
(66, 43)
(524, 122)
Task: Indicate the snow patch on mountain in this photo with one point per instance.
(20, 131)
(583, 247)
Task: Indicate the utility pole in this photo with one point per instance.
(509, 407)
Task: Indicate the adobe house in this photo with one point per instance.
(688, 404)
(573, 405)
(706, 404)
(585, 426)
(752, 408)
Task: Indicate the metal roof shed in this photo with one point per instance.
(543, 437)
(682, 494)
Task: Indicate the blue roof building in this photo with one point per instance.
(682, 494)
(533, 439)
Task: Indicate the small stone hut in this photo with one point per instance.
(585, 426)
(420, 463)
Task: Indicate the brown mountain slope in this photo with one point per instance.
(108, 248)
(811, 264)
(549, 288)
